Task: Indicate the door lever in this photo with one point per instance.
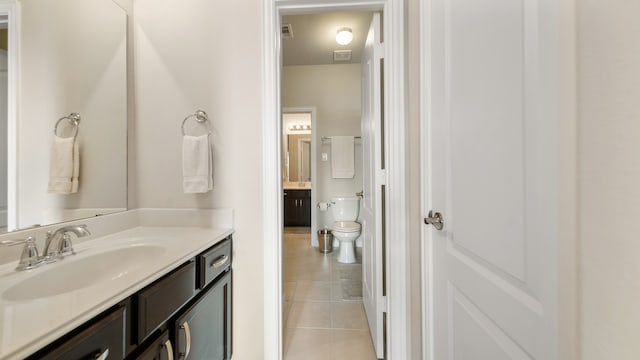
(434, 219)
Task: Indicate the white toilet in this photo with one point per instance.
(345, 228)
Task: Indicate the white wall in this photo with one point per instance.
(334, 90)
(72, 59)
(609, 173)
(205, 55)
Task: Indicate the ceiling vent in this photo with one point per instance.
(287, 31)
(342, 55)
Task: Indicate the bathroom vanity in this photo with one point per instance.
(148, 291)
(297, 207)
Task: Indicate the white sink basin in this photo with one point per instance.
(77, 272)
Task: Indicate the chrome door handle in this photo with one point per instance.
(187, 335)
(220, 261)
(360, 194)
(169, 348)
(103, 355)
(434, 219)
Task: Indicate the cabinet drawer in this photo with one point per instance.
(103, 336)
(162, 299)
(213, 262)
(298, 194)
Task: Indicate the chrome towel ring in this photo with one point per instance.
(201, 117)
(74, 120)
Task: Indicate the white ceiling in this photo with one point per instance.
(314, 37)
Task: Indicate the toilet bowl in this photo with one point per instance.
(345, 228)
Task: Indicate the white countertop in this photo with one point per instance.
(296, 185)
(29, 325)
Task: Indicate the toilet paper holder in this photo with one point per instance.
(323, 206)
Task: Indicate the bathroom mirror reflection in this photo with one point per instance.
(72, 60)
(299, 157)
(296, 149)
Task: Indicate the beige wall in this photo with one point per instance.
(206, 55)
(609, 173)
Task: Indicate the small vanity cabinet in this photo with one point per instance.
(297, 207)
(186, 314)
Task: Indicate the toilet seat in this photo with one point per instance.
(346, 226)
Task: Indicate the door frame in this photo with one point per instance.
(398, 301)
(9, 8)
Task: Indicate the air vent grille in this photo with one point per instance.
(287, 31)
(342, 55)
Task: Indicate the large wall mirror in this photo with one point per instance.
(296, 146)
(71, 58)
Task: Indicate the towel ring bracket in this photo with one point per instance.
(73, 119)
(201, 117)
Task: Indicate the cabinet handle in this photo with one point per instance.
(187, 334)
(169, 348)
(221, 260)
(103, 355)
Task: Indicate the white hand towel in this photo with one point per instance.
(342, 157)
(197, 164)
(64, 166)
(76, 168)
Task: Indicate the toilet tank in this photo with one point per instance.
(345, 208)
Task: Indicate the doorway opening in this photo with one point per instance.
(394, 175)
(323, 302)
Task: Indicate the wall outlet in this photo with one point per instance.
(325, 157)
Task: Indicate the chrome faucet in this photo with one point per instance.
(58, 243)
(29, 258)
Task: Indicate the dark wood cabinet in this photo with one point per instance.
(102, 338)
(164, 298)
(159, 349)
(297, 208)
(184, 314)
(203, 330)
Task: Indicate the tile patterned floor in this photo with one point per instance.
(323, 313)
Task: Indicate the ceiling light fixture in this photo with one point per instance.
(299, 127)
(344, 36)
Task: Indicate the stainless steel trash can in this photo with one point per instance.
(325, 241)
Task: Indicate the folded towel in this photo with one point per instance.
(197, 164)
(64, 166)
(342, 157)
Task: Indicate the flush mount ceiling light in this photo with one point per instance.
(344, 36)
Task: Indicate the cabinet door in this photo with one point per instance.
(305, 212)
(160, 349)
(290, 210)
(103, 339)
(204, 329)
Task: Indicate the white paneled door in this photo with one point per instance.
(371, 217)
(490, 158)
